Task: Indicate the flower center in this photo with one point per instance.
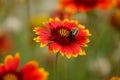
(86, 2)
(63, 32)
(77, 2)
(62, 35)
(10, 77)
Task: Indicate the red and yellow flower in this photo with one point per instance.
(66, 37)
(30, 71)
(115, 78)
(84, 5)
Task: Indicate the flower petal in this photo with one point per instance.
(71, 50)
(69, 25)
(53, 24)
(33, 75)
(44, 36)
(54, 47)
(44, 74)
(30, 71)
(11, 63)
(2, 69)
(40, 31)
(81, 38)
(83, 31)
(81, 41)
(31, 66)
(106, 4)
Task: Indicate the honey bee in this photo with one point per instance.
(74, 32)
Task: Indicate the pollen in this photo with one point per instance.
(63, 32)
(10, 77)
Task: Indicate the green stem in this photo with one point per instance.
(56, 67)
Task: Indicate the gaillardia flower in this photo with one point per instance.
(66, 37)
(84, 5)
(30, 71)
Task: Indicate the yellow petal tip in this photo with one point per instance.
(68, 56)
(34, 62)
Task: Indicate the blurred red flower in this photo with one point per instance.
(84, 5)
(6, 43)
(30, 71)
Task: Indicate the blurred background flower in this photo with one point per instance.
(84, 5)
(8, 70)
(12, 24)
(6, 43)
(101, 66)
